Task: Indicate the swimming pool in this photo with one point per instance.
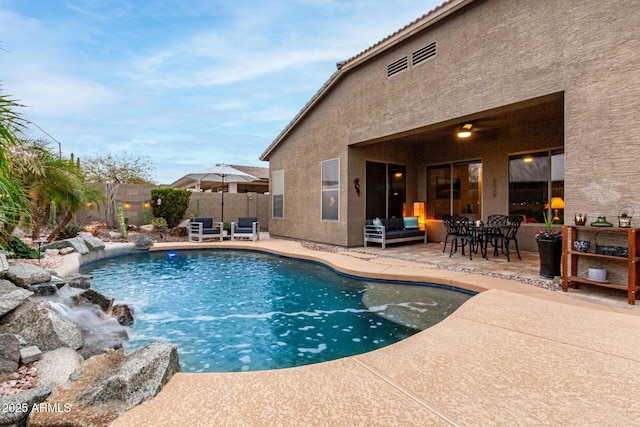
(230, 310)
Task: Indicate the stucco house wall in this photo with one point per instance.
(491, 54)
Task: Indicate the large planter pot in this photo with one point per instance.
(550, 258)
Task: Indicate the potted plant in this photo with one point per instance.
(550, 248)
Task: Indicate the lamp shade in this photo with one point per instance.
(557, 203)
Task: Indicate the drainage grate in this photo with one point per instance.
(397, 66)
(423, 54)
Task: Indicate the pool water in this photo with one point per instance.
(229, 311)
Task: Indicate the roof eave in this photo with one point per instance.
(436, 15)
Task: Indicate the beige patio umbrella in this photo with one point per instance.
(224, 174)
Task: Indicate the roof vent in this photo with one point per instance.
(397, 66)
(423, 54)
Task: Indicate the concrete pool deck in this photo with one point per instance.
(515, 354)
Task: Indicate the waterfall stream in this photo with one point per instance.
(101, 331)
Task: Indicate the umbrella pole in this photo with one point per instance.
(222, 214)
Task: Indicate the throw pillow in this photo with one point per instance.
(377, 223)
(410, 222)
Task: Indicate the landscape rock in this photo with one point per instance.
(11, 296)
(30, 354)
(178, 231)
(109, 384)
(77, 280)
(43, 289)
(9, 354)
(102, 301)
(51, 252)
(123, 314)
(41, 326)
(67, 250)
(92, 242)
(4, 264)
(23, 274)
(147, 228)
(76, 243)
(56, 366)
(26, 399)
(114, 234)
(143, 242)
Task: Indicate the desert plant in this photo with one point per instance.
(146, 213)
(160, 225)
(122, 222)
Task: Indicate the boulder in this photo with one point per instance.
(77, 280)
(147, 228)
(93, 243)
(109, 384)
(178, 232)
(51, 252)
(4, 264)
(26, 399)
(9, 354)
(76, 243)
(11, 296)
(102, 301)
(43, 289)
(41, 326)
(23, 274)
(30, 354)
(56, 366)
(143, 242)
(123, 314)
(67, 251)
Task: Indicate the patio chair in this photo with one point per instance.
(246, 227)
(204, 228)
(462, 233)
(446, 220)
(509, 233)
(496, 222)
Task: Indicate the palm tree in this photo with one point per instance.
(54, 181)
(13, 198)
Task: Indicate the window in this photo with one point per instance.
(536, 185)
(277, 188)
(455, 189)
(386, 190)
(330, 189)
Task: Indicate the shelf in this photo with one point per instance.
(591, 254)
(570, 259)
(578, 279)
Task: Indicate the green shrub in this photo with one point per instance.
(173, 204)
(20, 250)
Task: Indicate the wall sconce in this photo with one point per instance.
(465, 131)
(147, 205)
(126, 205)
(419, 211)
(556, 203)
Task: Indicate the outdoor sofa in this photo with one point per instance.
(204, 228)
(246, 227)
(393, 230)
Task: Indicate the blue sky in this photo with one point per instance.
(186, 84)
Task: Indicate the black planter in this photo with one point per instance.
(550, 257)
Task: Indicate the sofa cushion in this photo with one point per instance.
(392, 224)
(410, 222)
(246, 222)
(206, 222)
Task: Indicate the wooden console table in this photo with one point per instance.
(570, 259)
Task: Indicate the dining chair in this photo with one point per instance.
(462, 233)
(446, 220)
(509, 233)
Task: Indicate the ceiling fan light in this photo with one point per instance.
(465, 131)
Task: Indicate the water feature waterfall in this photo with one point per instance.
(101, 331)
